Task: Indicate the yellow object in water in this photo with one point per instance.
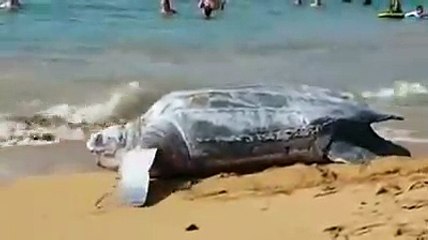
(388, 14)
(394, 10)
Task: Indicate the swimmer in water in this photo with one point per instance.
(395, 6)
(316, 3)
(166, 8)
(418, 13)
(208, 6)
(10, 5)
(297, 2)
(367, 2)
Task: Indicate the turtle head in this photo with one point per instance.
(106, 145)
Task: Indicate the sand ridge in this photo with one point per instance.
(289, 179)
(384, 200)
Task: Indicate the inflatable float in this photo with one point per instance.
(388, 14)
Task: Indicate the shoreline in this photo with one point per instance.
(71, 156)
(58, 158)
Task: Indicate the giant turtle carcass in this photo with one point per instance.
(197, 133)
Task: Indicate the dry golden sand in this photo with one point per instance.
(385, 200)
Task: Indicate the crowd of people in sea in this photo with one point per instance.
(208, 7)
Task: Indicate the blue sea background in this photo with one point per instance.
(75, 52)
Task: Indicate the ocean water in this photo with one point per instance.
(94, 59)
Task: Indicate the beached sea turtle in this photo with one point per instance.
(208, 131)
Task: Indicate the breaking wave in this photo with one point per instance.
(69, 122)
(125, 103)
(402, 93)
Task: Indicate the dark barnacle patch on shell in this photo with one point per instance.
(266, 136)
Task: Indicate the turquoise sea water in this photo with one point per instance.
(75, 52)
(71, 28)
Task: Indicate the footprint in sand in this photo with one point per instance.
(326, 191)
(328, 175)
(368, 209)
(334, 231)
(418, 185)
(389, 189)
(411, 204)
(365, 229)
(340, 232)
(410, 231)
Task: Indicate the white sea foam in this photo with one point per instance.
(10, 128)
(99, 111)
(14, 133)
(400, 89)
(26, 131)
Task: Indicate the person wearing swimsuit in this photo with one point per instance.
(166, 8)
(297, 2)
(418, 13)
(208, 6)
(316, 3)
(11, 5)
(395, 6)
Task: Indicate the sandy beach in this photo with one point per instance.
(295, 78)
(384, 200)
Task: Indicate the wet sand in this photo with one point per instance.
(65, 157)
(73, 157)
(384, 200)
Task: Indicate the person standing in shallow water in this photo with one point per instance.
(316, 3)
(395, 6)
(166, 8)
(367, 2)
(298, 2)
(208, 6)
(10, 5)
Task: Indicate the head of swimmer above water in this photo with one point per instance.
(419, 9)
